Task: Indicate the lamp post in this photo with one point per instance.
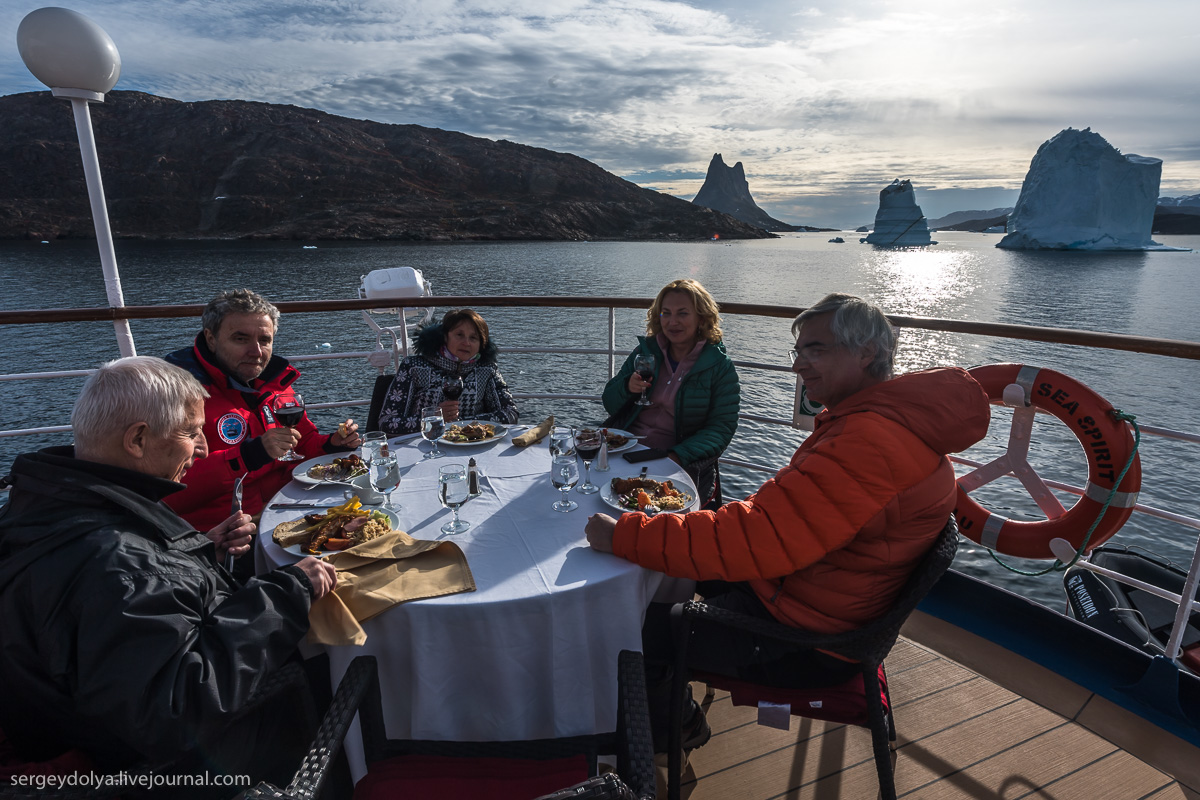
(78, 61)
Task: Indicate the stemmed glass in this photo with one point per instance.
(432, 428)
(453, 492)
(452, 387)
(374, 444)
(643, 365)
(385, 477)
(289, 410)
(564, 474)
(587, 444)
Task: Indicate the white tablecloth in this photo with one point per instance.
(530, 654)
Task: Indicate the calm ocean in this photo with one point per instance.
(964, 277)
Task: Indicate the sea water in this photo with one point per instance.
(963, 277)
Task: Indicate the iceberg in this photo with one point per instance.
(899, 221)
(1081, 193)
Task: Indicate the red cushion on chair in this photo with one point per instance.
(70, 762)
(446, 778)
(845, 703)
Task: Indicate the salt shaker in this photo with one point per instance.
(601, 464)
(472, 478)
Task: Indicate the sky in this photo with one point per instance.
(824, 103)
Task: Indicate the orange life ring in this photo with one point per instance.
(1107, 442)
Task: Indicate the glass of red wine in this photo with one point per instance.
(644, 366)
(587, 445)
(289, 410)
(452, 387)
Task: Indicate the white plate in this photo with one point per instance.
(300, 471)
(297, 550)
(633, 441)
(501, 432)
(682, 484)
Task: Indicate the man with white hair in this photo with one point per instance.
(122, 637)
(233, 358)
(827, 544)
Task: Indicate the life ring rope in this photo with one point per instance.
(1106, 440)
(1113, 498)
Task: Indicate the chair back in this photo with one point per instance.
(382, 384)
(872, 642)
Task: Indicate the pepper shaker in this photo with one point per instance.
(472, 478)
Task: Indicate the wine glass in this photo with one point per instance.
(432, 428)
(374, 444)
(453, 492)
(643, 365)
(289, 410)
(587, 444)
(452, 387)
(562, 442)
(564, 474)
(385, 477)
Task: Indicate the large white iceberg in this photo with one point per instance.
(899, 221)
(1081, 193)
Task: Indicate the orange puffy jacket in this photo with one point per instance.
(829, 541)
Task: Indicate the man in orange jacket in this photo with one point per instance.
(826, 544)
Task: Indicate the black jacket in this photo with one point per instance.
(120, 634)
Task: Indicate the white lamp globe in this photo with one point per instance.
(66, 50)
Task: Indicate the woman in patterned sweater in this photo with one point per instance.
(461, 346)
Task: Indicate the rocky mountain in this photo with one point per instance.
(726, 189)
(235, 169)
(951, 221)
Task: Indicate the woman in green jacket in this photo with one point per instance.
(694, 393)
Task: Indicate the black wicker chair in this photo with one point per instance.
(868, 645)
(289, 681)
(358, 692)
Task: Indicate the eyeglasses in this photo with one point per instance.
(810, 353)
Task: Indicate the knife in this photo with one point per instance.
(277, 506)
(236, 508)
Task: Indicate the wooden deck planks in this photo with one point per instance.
(960, 736)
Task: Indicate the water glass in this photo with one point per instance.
(432, 428)
(374, 444)
(385, 478)
(562, 442)
(564, 474)
(453, 492)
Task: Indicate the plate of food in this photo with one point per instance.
(336, 529)
(332, 468)
(651, 494)
(466, 433)
(618, 440)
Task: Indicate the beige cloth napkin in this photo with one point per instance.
(376, 575)
(534, 434)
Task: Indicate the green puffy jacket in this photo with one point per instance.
(706, 406)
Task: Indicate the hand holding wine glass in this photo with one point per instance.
(643, 367)
(288, 410)
(452, 389)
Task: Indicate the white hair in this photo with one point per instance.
(130, 390)
(856, 325)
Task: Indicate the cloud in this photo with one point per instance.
(826, 101)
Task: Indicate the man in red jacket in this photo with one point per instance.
(232, 358)
(827, 544)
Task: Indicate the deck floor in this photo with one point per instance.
(959, 736)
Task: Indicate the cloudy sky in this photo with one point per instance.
(823, 102)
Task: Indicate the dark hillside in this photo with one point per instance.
(234, 169)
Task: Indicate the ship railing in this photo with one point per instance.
(1140, 344)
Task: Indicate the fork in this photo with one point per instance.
(236, 508)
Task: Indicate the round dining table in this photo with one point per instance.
(531, 653)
